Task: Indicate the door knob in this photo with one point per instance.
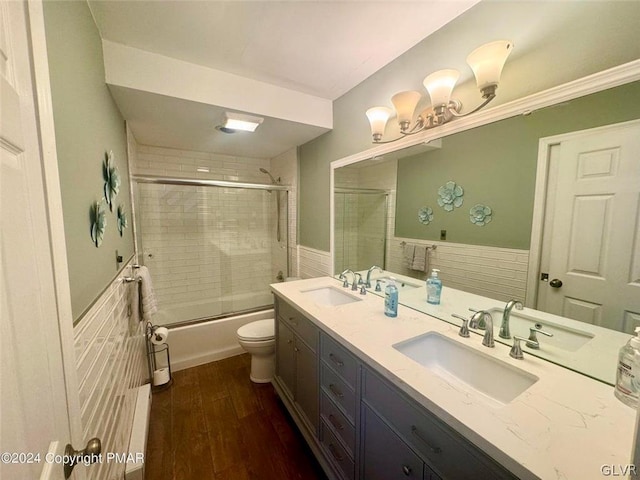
(556, 283)
(90, 454)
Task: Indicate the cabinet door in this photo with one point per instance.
(385, 455)
(306, 393)
(285, 357)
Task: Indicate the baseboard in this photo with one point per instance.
(207, 357)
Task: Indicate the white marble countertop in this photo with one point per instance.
(597, 358)
(565, 426)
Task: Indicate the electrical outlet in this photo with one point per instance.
(443, 234)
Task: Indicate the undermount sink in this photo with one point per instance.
(462, 365)
(402, 285)
(565, 338)
(329, 296)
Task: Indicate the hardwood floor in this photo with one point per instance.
(214, 423)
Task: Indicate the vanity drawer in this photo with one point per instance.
(341, 425)
(339, 359)
(451, 455)
(338, 391)
(337, 452)
(300, 324)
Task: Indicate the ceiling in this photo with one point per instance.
(321, 49)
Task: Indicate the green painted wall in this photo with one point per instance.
(496, 166)
(572, 40)
(87, 124)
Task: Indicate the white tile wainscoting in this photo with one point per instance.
(313, 263)
(499, 273)
(111, 364)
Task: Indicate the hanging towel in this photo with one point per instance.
(148, 302)
(408, 252)
(420, 259)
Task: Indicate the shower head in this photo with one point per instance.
(273, 180)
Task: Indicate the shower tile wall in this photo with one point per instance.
(207, 243)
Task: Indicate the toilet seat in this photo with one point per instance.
(257, 331)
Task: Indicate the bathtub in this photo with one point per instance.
(209, 340)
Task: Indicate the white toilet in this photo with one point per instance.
(259, 339)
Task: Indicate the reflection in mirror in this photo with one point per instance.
(590, 210)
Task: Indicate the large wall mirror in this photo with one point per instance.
(560, 231)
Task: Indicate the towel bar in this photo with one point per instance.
(430, 247)
(131, 279)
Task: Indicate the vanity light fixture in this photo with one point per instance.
(486, 62)
(241, 121)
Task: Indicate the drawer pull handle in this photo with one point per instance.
(334, 421)
(406, 470)
(336, 360)
(293, 320)
(335, 453)
(335, 390)
(414, 431)
(289, 342)
(296, 349)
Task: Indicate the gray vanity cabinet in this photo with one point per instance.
(297, 360)
(360, 425)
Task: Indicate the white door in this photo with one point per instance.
(34, 407)
(592, 253)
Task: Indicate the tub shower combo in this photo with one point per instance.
(212, 247)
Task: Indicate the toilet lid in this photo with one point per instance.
(258, 330)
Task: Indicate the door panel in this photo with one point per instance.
(592, 236)
(34, 417)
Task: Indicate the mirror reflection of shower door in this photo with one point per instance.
(360, 229)
(211, 250)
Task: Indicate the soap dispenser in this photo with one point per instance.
(391, 299)
(627, 378)
(434, 288)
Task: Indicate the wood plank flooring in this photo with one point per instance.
(214, 423)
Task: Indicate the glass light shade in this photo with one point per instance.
(405, 104)
(440, 85)
(378, 117)
(487, 62)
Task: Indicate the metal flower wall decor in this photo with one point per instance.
(480, 215)
(111, 179)
(425, 215)
(98, 222)
(122, 219)
(450, 196)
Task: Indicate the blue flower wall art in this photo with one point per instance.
(450, 196)
(98, 222)
(425, 215)
(111, 179)
(480, 215)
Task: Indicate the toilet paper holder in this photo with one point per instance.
(159, 360)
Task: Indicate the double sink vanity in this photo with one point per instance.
(408, 397)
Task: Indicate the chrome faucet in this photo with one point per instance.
(368, 282)
(504, 326)
(354, 285)
(487, 319)
(343, 276)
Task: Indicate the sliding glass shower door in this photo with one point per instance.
(211, 250)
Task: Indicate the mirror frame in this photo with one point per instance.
(613, 77)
